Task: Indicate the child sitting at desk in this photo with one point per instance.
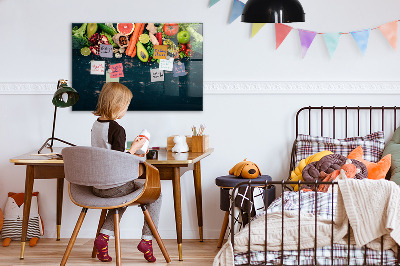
(106, 133)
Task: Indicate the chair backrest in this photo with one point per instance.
(92, 166)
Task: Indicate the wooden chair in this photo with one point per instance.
(85, 167)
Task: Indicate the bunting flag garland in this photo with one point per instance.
(389, 30)
(306, 39)
(213, 2)
(256, 28)
(361, 37)
(281, 31)
(332, 41)
(237, 8)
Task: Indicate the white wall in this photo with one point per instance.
(35, 47)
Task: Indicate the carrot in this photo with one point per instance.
(134, 48)
(134, 38)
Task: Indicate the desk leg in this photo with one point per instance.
(60, 190)
(176, 182)
(199, 204)
(27, 206)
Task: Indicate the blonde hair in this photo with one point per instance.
(112, 99)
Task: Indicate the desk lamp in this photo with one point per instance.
(272, 11)
(63, 97)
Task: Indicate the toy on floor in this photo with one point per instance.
(13, 215)
(1, 219)
(245, 169)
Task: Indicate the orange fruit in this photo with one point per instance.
(125, 28)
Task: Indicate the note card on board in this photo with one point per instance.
(106, 50)
(179, 70)
(160, 51)
(97, 67)
(166, 64)
(117, 71)
(157, 75)
(110, 79)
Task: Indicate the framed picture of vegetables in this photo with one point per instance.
(161, 63)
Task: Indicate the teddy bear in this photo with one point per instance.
(245, 169)
(180, 144)
(13, 215)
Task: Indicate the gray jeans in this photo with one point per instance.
(154, 208)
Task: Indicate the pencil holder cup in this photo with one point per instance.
(200, 143)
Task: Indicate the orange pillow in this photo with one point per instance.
(375, 170)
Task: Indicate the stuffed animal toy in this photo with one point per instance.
(13, 215)
(1, 220)
(180, 144)
(245, 169)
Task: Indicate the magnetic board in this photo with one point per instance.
(165, 74)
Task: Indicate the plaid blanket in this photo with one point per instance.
(323, 205)
(324, 257)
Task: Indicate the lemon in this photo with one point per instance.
(144, 38)
(85, 51)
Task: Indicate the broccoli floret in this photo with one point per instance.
(79, 38)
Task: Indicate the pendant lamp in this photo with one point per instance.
(273, 11)
(63, 97)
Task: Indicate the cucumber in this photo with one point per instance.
(107, 29)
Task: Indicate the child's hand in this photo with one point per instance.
(137, 144)
(143, 155)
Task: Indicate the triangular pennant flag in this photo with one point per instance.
(237, 9)
(213, 2)
(361, 37)
(332, 41)
(389, 30)
(281, 31)
(255, 28)
(306, 39)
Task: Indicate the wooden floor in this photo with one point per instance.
(50, 252)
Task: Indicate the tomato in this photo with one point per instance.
(188, 46)
(182, 47)
(171, 29)
(189, 52)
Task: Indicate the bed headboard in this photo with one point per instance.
(344, 121)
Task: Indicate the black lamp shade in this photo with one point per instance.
(70, 97)
(273, 11)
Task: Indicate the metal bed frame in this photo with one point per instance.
(283, 184)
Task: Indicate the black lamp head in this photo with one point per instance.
(64, 96)
(273, 11)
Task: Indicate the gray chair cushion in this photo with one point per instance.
(84, 196)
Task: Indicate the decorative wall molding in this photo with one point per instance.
(250, 87)
(302, 87)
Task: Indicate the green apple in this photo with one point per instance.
(183, 36)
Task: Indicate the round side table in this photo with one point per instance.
(228, 182)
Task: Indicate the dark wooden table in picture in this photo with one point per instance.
(170, 165)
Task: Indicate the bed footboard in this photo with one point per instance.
(309, 256)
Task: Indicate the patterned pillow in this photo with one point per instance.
(372, 145)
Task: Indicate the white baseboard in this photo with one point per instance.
(247, 87)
